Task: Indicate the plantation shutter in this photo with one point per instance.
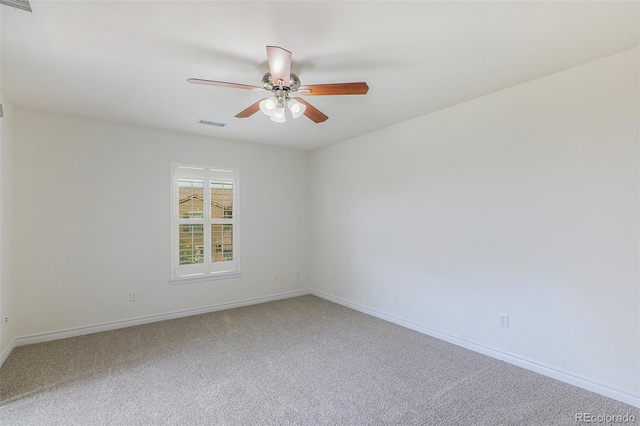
(204, 221)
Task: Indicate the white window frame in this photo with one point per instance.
(208, 270)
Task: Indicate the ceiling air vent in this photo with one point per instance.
(212, 123)
(20, 4)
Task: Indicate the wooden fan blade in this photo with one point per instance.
(249, 111)
(312, 112)
(279, 64)
(224, 84)
(359, 88)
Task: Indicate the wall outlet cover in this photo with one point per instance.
(504, 320)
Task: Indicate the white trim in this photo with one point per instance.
(528, 364)
(545, 370)
(7, 351)
(114, 325)
(205, 277)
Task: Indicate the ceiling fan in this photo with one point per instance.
(282, 83)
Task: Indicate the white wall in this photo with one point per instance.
(91, 204)
(7, 331)
(523, 202)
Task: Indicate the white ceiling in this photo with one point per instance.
(129, 62)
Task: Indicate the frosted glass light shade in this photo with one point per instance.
(278, 115)
(296, 108)
(268, 106)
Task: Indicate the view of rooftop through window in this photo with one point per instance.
(191, 206)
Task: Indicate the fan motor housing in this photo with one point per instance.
(294, 82)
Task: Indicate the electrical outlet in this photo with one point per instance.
(504, 320)
(133, 296)
(275, 278)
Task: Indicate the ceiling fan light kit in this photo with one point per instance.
(274, 106)
(278, 115)
(268, 106)
(296, 108)
(281, 82)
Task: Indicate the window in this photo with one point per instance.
(191, 215)
(204, 223)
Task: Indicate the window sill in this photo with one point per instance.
(205, 277)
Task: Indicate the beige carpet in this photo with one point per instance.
(298, 361)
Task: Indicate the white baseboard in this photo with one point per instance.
(545, 370)
(7, 352)
(80, 331)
